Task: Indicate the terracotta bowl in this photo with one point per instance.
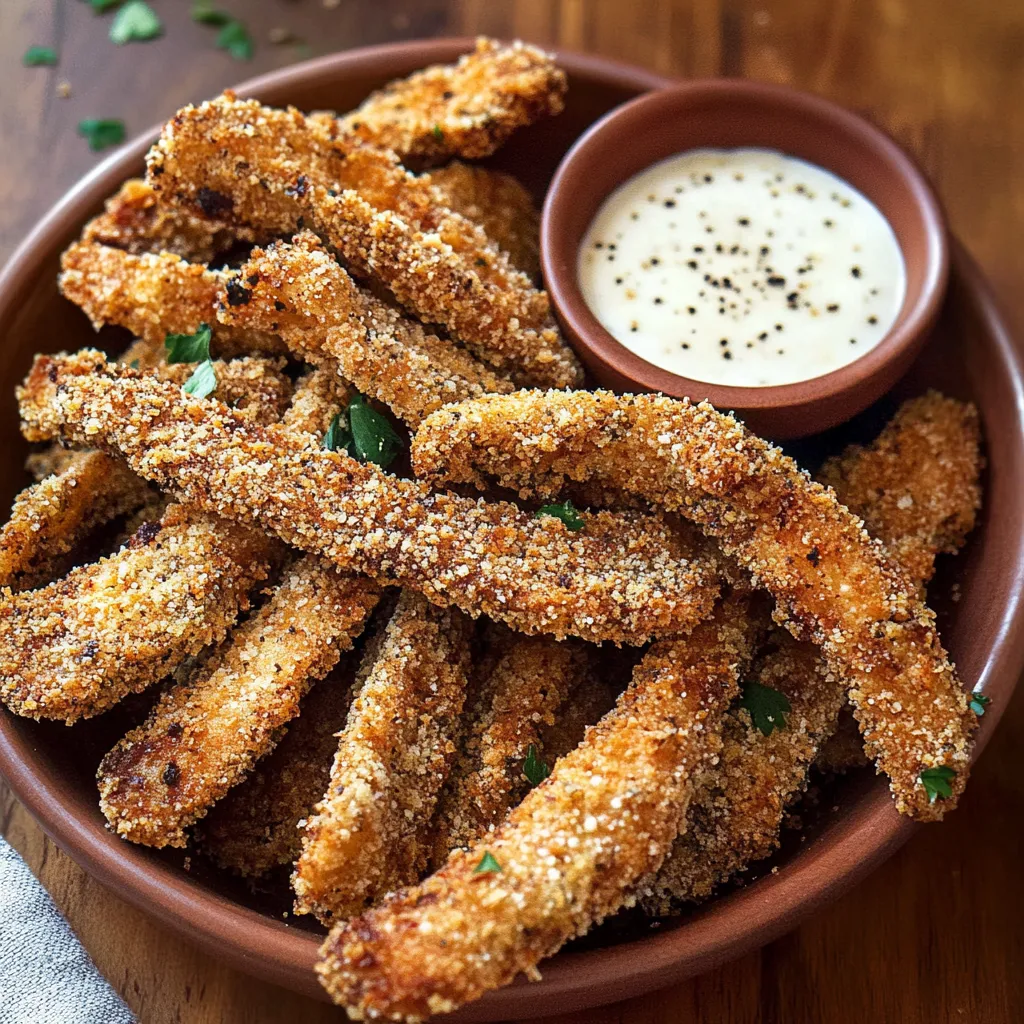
(725, 114)
(51, 768)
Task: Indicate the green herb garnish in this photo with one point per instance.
(203, 381)
(234, 37)
(937, 782)
(437, 132)
(338, 437)
(189, 348)
(373, 437)
(488, 864)
(39, 56)
(768, 707)
(99, 6)
(102, 132)
(979, 702)
(566, 511)
(535, 770)
(135, 22)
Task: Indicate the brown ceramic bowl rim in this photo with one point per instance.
(917, 314)
(250, 941)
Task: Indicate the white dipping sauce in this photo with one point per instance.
(742, 267)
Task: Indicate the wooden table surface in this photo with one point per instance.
(932, 936)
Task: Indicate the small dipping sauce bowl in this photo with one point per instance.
(739, 114)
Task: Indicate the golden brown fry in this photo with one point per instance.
(393, 758)
(499, 204)
(300, 292)
(49, 519)
(928, 455)
(565, 858)
(625, 577)
(205, 734)
(319, 396)
(153, 294)
(76, 647)
(136, 221)
(256, 827)
(235, 159)
(737, 818)
(255, 388)
(525, 691)
(468, 109)
(831, 582)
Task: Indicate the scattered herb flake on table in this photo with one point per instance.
(234, 37)
(99, 6)
(135, 22)
(39, 56)
(206, 14)
(102, 133)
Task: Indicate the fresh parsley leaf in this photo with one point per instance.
(102, 132)
(488, 864)
(937, 782)
(189, 348)
(338, 437)
(99, 6)
(979, 702)
(535, 770)
(203, 381)
(373, 437)
(768, 707)
(135, 22)
(206, 14)
(39, 56)
(566, 511)
(234, 37)
(438, 133)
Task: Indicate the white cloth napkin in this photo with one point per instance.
(46, 977)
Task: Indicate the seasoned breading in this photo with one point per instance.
(468, 109)
(205, 734)
(393, 758)
(524, 693)
(624, 577)
(299, 292)
(153, 294)
(51, 518)
(256, 827)
(565, 858)
(134, 220)
(832, 583)
(736, 819)
(236, 159)
(319, 396)
(255, 388)
(927, 455)
(77, 646)
(499, 204)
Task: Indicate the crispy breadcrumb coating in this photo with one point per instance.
(564, 859)
(468, 109)
(526, 690)
(393, 758)
(499, 204)
(275, 168)
(299, 292)
(136, 221)
(152, 295)
(256, 827)
(624, 577)
(77, 646)
(205, 734)
(931, 447)
(830, 580)
(51, 518)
